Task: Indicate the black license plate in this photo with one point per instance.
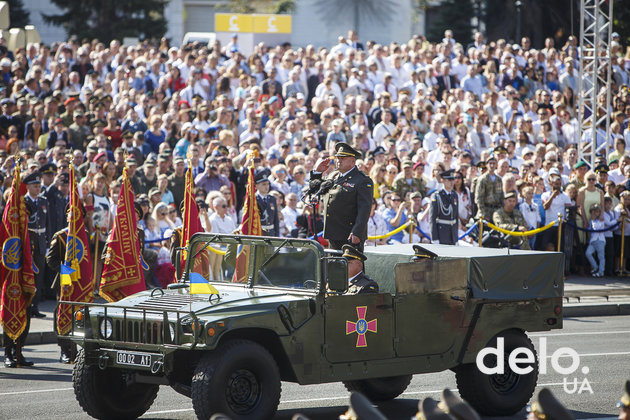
(133, 358)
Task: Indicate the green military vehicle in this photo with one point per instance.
(289, 319)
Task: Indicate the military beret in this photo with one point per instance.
(510, 194)
(624, 401)
(550, 407)
(69, 100)
(344, 149)
(418, 164)
(456, 407)
(351, 252)
(49, 168)
(99, 155)
(450, 174)
(579, 164)
(33, 178)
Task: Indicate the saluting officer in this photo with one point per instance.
(359, 282)
(55, 197)
(38, 225)
(348, 201)
(267, 206)
(444, 212)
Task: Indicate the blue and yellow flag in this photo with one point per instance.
(66, 275)
(199, 285)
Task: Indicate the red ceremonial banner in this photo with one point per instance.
(122, 271)
(81, 288)
(250, 226)
(17, 281)
(192, 225)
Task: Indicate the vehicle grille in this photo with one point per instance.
(138, 331)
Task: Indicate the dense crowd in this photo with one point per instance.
(414, 110)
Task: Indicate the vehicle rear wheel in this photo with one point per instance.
(104, 394)
(380, 389)
(241, 380)
(499, 394)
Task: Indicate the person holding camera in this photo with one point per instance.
(397, 216)
(211, 179)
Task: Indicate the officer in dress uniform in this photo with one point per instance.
(489, 191)
(444, 212)
(348, 199)
(267, 206)
(359, 282)
(57, 203)
(38, 228)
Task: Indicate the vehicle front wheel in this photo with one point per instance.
(240, 379)
(499, 394)
(380, 389)
(104, 394)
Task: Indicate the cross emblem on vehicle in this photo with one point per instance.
(361, 327)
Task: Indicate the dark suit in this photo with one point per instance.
(375, 115)
(38, 229)
(311, 85)
(442, 84)
(265, 87)
(347, 207)
(444, 216)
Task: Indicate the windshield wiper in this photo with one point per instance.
(274, 253)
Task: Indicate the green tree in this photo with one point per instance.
(455, 15)
(18, 16)
(107, 20)
(258, 6)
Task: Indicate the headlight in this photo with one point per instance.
(106, 328)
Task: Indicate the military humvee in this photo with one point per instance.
(290, 320)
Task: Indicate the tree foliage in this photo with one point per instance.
(258, 6)
(455, 15)
(107, 20)
(18, 16)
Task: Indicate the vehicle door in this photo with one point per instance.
(358, 327)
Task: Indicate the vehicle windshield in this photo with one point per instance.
(277, 263)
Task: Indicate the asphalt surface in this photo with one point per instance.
(603, 343)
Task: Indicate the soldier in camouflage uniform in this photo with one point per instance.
(509, 218)
(405, 182)
(489, 191)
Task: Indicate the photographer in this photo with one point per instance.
(396, 216)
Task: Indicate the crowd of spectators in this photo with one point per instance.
(414, 109)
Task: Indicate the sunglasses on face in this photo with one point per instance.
(396, 199)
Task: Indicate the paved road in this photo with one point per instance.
(603, 343)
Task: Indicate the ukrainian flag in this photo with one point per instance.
(66, 279)
(199, 285)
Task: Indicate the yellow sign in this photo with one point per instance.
(272, 24)
(226, 22)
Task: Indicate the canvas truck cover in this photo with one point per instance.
(498, 274)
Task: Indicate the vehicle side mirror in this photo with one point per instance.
(337, 274)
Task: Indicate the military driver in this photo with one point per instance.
(359, 282)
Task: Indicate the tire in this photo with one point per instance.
(380, 389)
(499, 395)
(241, 380)
(103, 394)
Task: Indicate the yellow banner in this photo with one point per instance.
(233, 22)
(272, 24)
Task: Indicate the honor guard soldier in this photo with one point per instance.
(444, 212)
(55, 255)
(547, 407)
(57, 205)
(510, 218)
(38, 227)
(267, 206)
(624, 402)
(489, 191)
(359, 282)
(347, 197)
